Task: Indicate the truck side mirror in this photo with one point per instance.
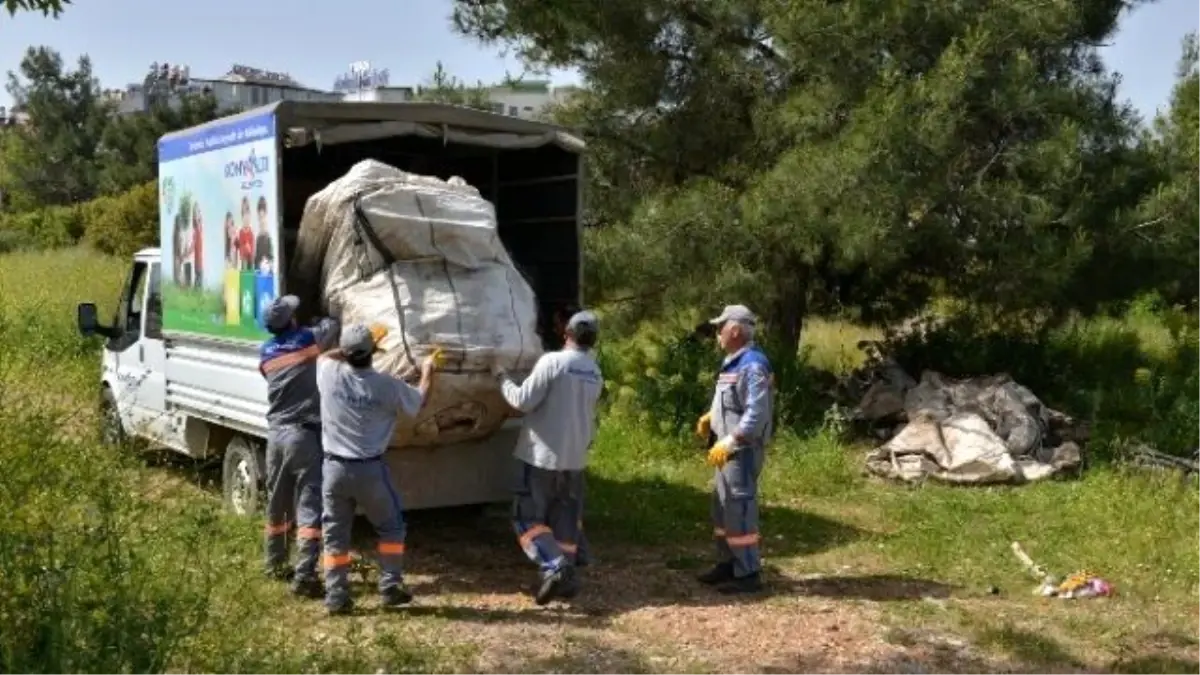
(85, 318)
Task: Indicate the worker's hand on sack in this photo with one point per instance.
(432, 361)
(704, 426)
(719, 453)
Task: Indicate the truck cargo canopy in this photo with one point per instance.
(329, 123)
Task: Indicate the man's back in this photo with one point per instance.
(288, 362)
(359, 407)
(559, 401)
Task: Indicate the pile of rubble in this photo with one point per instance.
(972, 431)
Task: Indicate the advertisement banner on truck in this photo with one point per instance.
(217, 225)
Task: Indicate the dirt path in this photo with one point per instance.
(640, 613)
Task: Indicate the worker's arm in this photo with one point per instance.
(411, 399)
(325, 332)
(754, 419)
(527, 396)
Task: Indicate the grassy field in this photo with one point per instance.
(120, 563)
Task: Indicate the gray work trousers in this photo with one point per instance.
(547, 515)
(293, 496)
(735, 511)
(352, 483)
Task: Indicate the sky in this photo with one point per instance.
(316, 41)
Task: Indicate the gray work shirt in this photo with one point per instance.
(359, 408)
(289, 363)
(559, 401)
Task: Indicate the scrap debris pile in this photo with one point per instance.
(972, 431)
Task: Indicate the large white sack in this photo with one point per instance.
(449, 283)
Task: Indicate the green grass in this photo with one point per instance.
(110, 564)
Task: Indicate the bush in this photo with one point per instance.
(125, 223)
(50, 227)
(118, 225)
(665, 378)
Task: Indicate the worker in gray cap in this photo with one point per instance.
(288, 362)
(740, 419)
(558, 400)
(359, 407)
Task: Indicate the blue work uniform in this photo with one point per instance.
(288, 363)
(741, 405)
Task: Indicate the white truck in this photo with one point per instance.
(180, 361)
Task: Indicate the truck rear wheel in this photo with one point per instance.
(242, 477)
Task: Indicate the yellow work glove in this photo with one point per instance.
(378, 332)
(718, 454)
(438, 356)
(704, 426)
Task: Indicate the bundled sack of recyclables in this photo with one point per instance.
(450, 283)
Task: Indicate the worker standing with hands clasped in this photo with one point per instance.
(288, 362)
(559, 402)
(740, 418)
(359, 406)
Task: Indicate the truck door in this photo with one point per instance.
(152, 352)
(139, 357)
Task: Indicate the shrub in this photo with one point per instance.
(123, 224)
(50, 227)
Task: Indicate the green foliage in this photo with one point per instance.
(52, 160)
(442, 87)
(123, 224)
(818, 159)
(119, 225)
(129, 155)
(46, 7)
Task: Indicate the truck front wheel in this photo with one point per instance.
(241, 478)
(112, 432)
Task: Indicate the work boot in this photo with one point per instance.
(278, 572)
(307, 587)
(339, 607)
(394, 596)
(554, 583)
(720, 573)
(751, 583)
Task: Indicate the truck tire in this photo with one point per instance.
(242, 478)
(111, 431)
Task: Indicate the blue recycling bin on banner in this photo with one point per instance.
(264, 291)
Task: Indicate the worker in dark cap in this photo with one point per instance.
(558, 400)
(288, 361)
(358, 408)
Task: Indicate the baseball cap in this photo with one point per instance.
(356, 340)
(739, 313)
(583, 322)
(280, 312)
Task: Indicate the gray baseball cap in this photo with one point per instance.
(739, 313)
(583, 322)
(279, 313)
(356, 340)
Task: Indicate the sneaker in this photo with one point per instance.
(720, 573)
(394, 596)
(307, 587)
(747, 584)
(554, 583)
(341, 608)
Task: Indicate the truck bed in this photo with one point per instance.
(218, 382)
